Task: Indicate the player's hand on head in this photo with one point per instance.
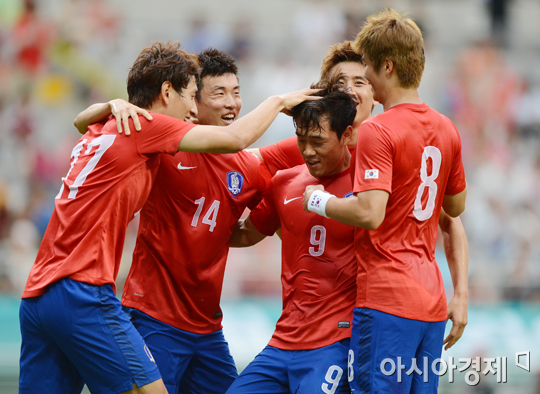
(457, 313)
(291, 100)
(123, 110)
(307, 194)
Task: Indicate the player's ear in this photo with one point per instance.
(347, 135)
(165, 93)
(388, 66)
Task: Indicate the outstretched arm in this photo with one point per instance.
(119, 108)
(245, 234)
(244, 131)
(203, 138)
(457, 255)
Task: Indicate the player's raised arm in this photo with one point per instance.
(215, 139)
(119, 108)
(245, 130)
(456, 250)
(245, 234)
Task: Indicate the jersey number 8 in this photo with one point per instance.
(429, 182)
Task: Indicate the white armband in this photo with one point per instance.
(317, 202)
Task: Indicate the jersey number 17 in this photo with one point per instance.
(103, 143)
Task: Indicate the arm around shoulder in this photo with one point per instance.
(92, 114)
(119, 108)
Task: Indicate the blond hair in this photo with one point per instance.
(339, 53)
(390, 35)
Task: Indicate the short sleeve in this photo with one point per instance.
(161, 135)
(265, 216)
(456, 178)
(265, 180)
(282, 155)
(374, 158)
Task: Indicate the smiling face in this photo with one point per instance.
(322, 151)
(219, 103)
(353, 80)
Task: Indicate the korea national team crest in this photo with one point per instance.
(235, 182)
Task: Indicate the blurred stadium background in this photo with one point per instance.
(483, 71)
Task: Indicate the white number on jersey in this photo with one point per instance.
(333, 380)
(103, 143)
(210, 217)
(319, 241)
(428, 181)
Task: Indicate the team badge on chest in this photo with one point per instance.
(235, 182)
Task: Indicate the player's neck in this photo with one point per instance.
(157, 108)
(346, 158)
(356, 126)
(343, 165)
(399, 95)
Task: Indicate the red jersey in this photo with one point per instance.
(282, 155)
(184, 232)
(108, 182)
(318, 262)
(414, 153)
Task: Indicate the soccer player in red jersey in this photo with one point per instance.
(173, 289)
(408, 167)
(340, 60)
(73, 328)
(308, 350)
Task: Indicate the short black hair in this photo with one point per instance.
(336, 105)
(214, 63)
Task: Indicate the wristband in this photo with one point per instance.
(317, 202)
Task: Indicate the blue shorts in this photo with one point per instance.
(189, 363)
(275, 371)
(77, 333)
(391, 354)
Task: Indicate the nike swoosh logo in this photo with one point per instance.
(181, 167)
(285, 202)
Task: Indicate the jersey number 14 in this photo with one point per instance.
(210, 217)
